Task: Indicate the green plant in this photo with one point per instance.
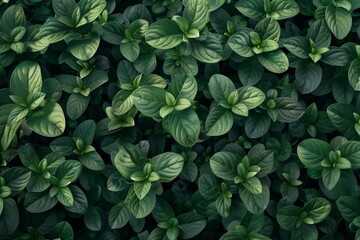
(179, 119)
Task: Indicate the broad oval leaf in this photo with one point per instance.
(219, 121)
(119, 216)
(252, 9)
(308, 77)
(255, 203)
(250, 96)
(220, 87)
(240, 43)
(92, 160)
(164, 34)
(339, 21)
(354, 74)
(25, 79)
(80, 202)
(283, 9)
(149, 99)
(184, 126)
(167, 165)
(224, 165)
(312, 151)
(208, 51)
(190, 224)
(39, 202)
(288, 216)
(275, 61)
(76, 105)
(141, 208)
(9, 218)
(84, 48)
(197, 13)
(91, 9)
(16, 179)
(48, 121)
(183, 86)
(351, 151)
(68, 171)
(317, 209)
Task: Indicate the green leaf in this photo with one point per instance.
(25, 79)
(299, 46)
(251, 9)
(141, 208)
(84, 48)
(119, 216)
(268, 29)
(184, 126)
(208, 51)
(197, 13)
(220, 87)
(305, 232)
(53, 31)
(162, 211)
(330, 177)
(190, 224)
(164, 34)
(92, 219)
(9, 218)
(223, 204)
(48, 121)
(317, 209)
(149, 99)
(257, 125)
(146, 63)
(91, 9)
(250, 72)
(8, 135)
(17, 115)
(219, 121)
(284, 9)
(319, 33)
(167, 165)
(312, 151)
(63, 8)
(65, 196)
(183, 86)
(251, 97)
(275, 61)
(253, 185)
(208, 186)
(96, 79)
(76, 105)
(288, 216)
(122, 102)
(338, 20)
(224, 165)
(354, 74)
(63, 145)
(16, 179)
(288, 109)
(92, 160)
(240, 43)
(308, 77)
(85, 131)
(39, 202)
(62, 230)
(128, 160)
(80, 202)
(141, 189)
(349, 207)
(130, 50)
(11, 18)
(351, 151)
(255, 203)
(68, 172)
(341, 116)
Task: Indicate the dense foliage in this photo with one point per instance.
(179, 119)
